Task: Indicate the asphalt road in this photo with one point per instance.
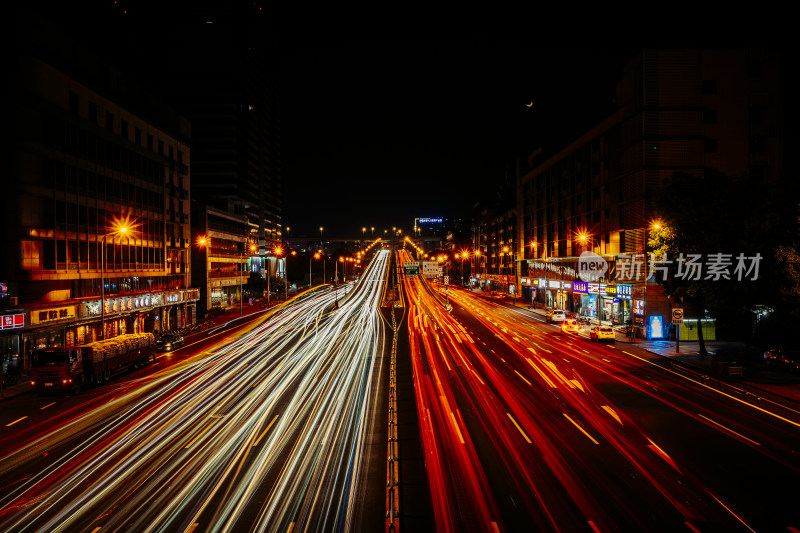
(269, 427)
(528, 428)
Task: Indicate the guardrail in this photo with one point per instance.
(392, 459)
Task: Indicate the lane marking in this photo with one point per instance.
(734, 514)
(661, 453)
(539, 371)
(265, 431)
(577, 384)
(728, 429)
(202, 432)
(455, 425)
(613, 413)
(190, 528)
(523, 378)
(582, 430)
(17, 420)
(48, 405)
(519, 429)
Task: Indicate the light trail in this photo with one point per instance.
(525, 413)
(288, 403)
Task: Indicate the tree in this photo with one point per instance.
(256, 285)
(743, 219)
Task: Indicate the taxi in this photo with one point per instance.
(602, 333)
(569, 325)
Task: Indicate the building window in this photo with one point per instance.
(756, 144)
(710, 146)
(755, 69)
(92, 112)
(109, 121)
(160, 147)
(137, 136)
(124, 129)
(756, 115)
(710, 116)
(149, 142)
(31, 255)
(74, 106)
(710, 87)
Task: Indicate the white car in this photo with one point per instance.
(556, 315)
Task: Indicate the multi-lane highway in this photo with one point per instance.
(264, 430)
(529, 429)
(273, 427)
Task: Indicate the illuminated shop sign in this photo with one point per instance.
(41, 316)
(12, 321)
(580, 287)
(429, 221)
(120, 305)
(594, 288)
(624, 291)
(173, 297)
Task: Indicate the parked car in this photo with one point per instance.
(779, 357)
(555, 315)
(169, 342)
(602, 333)
(569, 324)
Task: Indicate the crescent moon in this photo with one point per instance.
(529, 105)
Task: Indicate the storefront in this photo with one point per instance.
(603, 301)
(81, 323)
(11, 340)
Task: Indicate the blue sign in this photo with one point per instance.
(624, 291)
(656, 327)
(580, 287)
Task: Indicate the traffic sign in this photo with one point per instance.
(677, 315)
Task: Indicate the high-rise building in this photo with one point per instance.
(96, 215)
(213, 62)
(693, 111)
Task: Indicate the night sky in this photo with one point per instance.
(381, 126)
(377, 132)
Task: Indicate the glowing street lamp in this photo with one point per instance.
(120, 230)
(316, 256)
(278, 251)
(241, 280)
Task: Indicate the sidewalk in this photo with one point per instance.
(733, 365)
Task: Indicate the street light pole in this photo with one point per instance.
(103, 288)
(103, 280)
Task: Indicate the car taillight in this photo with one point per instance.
(33, 383)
